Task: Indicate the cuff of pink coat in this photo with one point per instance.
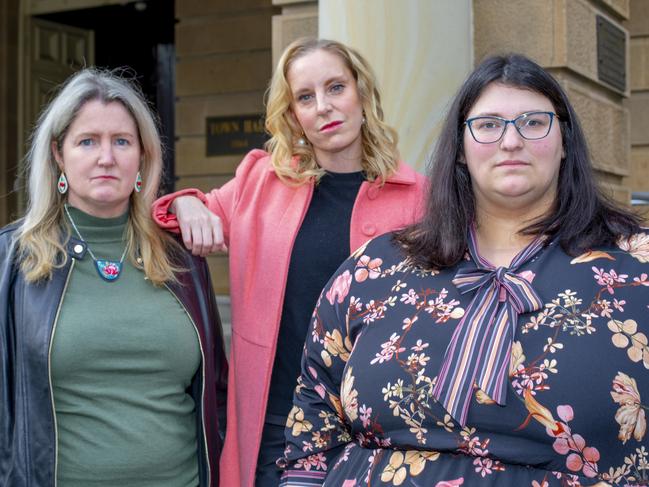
(162, 216)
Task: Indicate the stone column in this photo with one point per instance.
(638, 103)
(421, 52)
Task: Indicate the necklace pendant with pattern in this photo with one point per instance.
(108, 270)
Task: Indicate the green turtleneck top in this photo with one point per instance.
(123, 357)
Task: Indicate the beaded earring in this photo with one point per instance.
(138, 182)
(62, 184)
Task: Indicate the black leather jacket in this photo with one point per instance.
(28, 313)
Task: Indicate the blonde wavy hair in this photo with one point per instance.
(44, 231)
(296, 163)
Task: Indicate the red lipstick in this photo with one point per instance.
(330, 125)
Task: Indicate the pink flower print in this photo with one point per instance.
(583, 458)
(619, 305)
(410, 297)
(643, 280)
(419, 346)
(367, 268)
(340, 288)
(388, 349)
(527, 275)
(604, 308)
(565, 412)
(586, 462)
(608, 279)
(366, 414)
(483, 466)
(316, 461)
(450, 483)
(320, 389)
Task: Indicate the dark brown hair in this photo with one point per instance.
(582, 217)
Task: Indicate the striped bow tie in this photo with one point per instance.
(480, 348)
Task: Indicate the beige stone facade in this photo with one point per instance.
(223, 65)
(638, 103)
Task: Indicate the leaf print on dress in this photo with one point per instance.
(626, 333)
(633, 473)
(581, 458)
(339, 289)
(367, 268)
(637, 245)
(631, 413)
(474, 447)
(564, 313)
(297, 422)
(349, 396)
(450, 483)
(590, 256)
(401, 322)
(337, 346)
(395, 471)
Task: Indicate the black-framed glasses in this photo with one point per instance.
(530, 125)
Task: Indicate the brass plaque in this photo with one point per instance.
(234, 135)
(611, 54)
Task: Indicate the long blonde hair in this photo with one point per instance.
(296, 163)
(43, 232)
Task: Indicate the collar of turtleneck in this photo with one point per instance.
(95, 230)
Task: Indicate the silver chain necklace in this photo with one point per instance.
(108, 270)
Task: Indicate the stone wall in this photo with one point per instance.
(638, 103)
(223, 51)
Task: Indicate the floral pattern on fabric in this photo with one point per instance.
(578, 385)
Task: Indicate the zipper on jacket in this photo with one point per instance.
(200, 344)
(49, 373)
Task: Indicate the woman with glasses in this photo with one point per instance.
(501, 341)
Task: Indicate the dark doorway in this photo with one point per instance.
(137, 36)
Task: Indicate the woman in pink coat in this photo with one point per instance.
(331, 179)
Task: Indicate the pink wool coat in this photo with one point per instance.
(261, 217)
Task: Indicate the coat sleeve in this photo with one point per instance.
(317, 430)
(220, 201)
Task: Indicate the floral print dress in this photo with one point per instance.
(576, 389)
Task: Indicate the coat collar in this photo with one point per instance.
(403, 175)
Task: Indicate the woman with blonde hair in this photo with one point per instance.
(330, 180)
(110, 343)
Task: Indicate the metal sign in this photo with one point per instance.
(611, 54)
(234, 135)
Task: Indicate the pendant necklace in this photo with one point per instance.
(108, 270)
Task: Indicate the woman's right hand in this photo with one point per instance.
(202, 230)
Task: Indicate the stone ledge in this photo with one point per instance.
(288, 27)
